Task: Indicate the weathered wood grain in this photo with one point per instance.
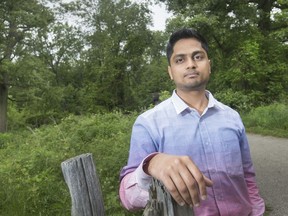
(162, 204)
(84, 186)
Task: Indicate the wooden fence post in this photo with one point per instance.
(84, 186)
(162, 204)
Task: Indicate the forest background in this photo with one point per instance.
(68, 88)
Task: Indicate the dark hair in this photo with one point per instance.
(184, 33)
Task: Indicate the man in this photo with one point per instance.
(195, 145)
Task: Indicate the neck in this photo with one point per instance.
(194, 99)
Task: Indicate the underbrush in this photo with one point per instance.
(268, 120)
(31, 180)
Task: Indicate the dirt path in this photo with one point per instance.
(270, 157)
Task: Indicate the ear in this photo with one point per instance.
(170, 73)
(209, 66)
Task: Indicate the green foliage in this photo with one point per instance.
(234, 99)
(31, 181)
(4, 140)
(116, 60)
(270, 120)
(164, 95)
(20, 21)
(154, 79)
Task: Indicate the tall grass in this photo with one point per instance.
(268, 120)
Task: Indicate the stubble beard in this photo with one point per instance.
(194, 86)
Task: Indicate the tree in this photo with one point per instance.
(19, 21)
(60, 49)
(118, 40)
(154, 77)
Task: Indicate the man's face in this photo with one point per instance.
(189, 65)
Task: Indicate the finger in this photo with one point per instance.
(201, 181)
(178, 189)
(185, 183)
(208, 181)
(194, 182)
(192, 189)
(172, 189)
(203, 187)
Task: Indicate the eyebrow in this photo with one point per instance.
(192, 54)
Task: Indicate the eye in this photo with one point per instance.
(198, 57)
(179, 60)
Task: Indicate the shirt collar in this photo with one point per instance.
(180, 105)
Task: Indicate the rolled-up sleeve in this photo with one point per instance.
(134, 187)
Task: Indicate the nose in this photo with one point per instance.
(191, 63)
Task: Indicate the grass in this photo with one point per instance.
(269, 120)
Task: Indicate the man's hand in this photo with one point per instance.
(181, 177)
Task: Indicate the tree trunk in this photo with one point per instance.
(3, 102)
(265, 8)
(80, 175)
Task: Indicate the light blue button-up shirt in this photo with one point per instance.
(215, 141)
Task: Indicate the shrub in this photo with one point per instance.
(271, 119)
(235, 99)
(31, 180)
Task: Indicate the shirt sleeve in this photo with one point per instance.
(258, 205)
(134, 187)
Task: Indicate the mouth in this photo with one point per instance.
(191, 74)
